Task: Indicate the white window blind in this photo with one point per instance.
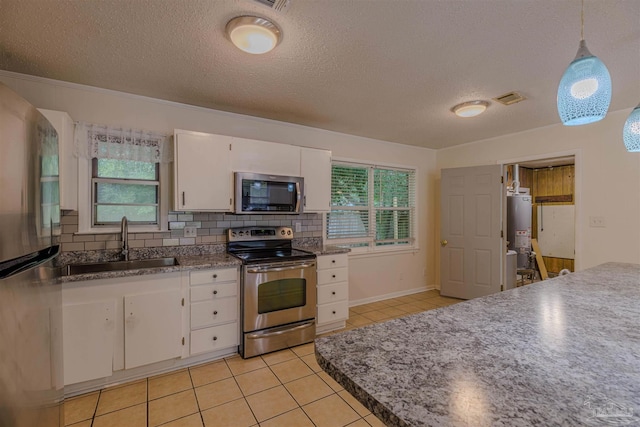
(371, 206)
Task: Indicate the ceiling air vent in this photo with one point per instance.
(509, 98)
(277, 5)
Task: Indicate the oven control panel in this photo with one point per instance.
(259, 233)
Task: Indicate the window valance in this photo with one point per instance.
(105, 142)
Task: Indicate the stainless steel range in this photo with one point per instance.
(278, 286)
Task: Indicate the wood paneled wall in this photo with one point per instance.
(555, 181)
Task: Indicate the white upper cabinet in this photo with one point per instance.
(249, 155)
(315, 168)
(202, 172)
(68, 164)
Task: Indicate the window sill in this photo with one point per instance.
(378, 253)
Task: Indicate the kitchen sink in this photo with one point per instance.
(101, 267)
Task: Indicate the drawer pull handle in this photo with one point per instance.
(215, 292)
(333, 261)
(333, 293)
(334, 312)
(215, 313)
(333, 276)
(215, 338)
(215, 276)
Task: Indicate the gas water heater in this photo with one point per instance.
(519, 227)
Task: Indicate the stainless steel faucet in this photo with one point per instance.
(124, 231)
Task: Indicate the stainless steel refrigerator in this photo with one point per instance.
(31, 382)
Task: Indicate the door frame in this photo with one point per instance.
(577, 192)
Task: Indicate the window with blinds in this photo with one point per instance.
(371, 206)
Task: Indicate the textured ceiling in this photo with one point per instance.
(389, 70)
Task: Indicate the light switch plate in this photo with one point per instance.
(190, 232)
(596, 221)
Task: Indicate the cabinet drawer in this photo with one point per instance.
(328, 313)
(332, 293)
(211, 313)
(214, 338)
(212, 292)
(332, 261)
(213, 276)
(333, 275)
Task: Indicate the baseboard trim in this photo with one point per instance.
(354, 303)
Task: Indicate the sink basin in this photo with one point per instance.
(101, 267)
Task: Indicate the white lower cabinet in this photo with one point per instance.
(332, 292)
(113, 325)
(214, 310)
(152, 327)
(88, 340)
(119, 329)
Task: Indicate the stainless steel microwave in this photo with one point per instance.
(272, 194)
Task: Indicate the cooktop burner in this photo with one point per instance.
(264, 244)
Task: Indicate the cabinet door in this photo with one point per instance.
(152, 327)
(88, 338)
(315, 166)
(249, 155)
(202, 174)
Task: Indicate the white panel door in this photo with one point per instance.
(152, 327)
(88, 340)
(202, 173)
(471, 245)
(315, 166)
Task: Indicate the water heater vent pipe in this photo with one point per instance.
(516, 180)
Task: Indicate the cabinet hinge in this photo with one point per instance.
(501, 233)
(183, 302)
(230, 201)
(182, 340)
(502, 180)
(229, 147)
(501, 289)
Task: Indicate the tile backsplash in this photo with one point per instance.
(210, 229)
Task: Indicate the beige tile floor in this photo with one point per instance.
(280, 389)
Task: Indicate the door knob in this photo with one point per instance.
(443, 243)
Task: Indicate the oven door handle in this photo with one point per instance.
(280, 331)
(275, 269)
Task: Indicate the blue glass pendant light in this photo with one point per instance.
(631, 131)
(584, 93)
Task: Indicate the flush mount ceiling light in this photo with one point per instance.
(631, 131)
(470, 109)
(253, 34)
(584, 93)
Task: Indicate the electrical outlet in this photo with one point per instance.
(298, 226)
(190, 232)
(596, 221)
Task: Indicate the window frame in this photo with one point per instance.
(85, 202)
(370, 240)
(95, 180)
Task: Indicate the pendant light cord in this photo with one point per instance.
(582, 22)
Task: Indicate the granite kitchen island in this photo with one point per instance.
(563, 352)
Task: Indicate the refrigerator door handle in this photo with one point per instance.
(17, 265)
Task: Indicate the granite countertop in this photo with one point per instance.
(563, 352)
(189, 258)
(189, 262)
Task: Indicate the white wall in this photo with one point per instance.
(370, 277)
(607, 181)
